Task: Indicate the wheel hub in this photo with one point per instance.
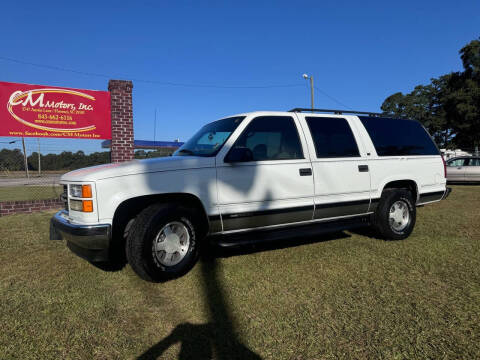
(399, 215)
(171, 244)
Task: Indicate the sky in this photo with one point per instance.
(193, 62)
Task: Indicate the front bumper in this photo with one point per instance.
(90, 242)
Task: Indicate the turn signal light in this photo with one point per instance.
(81, 205)
(87, 206)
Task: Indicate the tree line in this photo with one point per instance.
(13, 160)
(449, 106)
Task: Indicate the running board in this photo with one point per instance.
(266, 235)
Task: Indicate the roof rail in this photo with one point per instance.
(336, 112)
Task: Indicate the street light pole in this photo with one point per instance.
(311, 91)
(305, 76)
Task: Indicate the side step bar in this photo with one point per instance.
(266, 235)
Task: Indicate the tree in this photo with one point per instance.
(449, 107)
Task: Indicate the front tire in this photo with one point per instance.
(162, 243)
(395, 215)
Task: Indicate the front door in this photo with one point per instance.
(456, 169)
(274, 185)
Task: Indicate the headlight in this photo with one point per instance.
(81, 191)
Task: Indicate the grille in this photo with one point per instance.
(64, 197)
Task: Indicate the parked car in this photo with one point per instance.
(252, 177)
(463, 169)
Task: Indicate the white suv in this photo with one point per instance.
(252, 177)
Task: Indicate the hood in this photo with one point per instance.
(134, 167)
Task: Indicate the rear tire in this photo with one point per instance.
(162, 243)
(395, 216)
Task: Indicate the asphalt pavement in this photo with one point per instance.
(47, 179)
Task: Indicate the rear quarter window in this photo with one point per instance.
(398, 137)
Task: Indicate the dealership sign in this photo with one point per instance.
(48, 111)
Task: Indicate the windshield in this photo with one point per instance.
(209, 139)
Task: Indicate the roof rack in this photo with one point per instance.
(336, 112)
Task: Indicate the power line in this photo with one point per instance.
(168, 83)
(163, 83)
(332, 98)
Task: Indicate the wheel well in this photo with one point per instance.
(130, 208)
(403, 184)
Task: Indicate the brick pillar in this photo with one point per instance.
(122, 120)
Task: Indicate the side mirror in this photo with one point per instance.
(239, 154)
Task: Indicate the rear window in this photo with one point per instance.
(394, 137)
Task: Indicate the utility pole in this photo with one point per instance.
(39, 163)
(306, 77)
(25, 158)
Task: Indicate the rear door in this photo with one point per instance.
(340, 166)
(456, 169)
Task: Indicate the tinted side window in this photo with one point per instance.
(332, 137)
(393, 137)
(474, 162)
(456, 162)
(271, 138)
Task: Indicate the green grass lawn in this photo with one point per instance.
(18, 193)
(343, 296)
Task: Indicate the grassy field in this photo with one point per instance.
(342, 296)
(18, 193)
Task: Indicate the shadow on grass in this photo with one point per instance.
(119, 260)
(367, 232)
(275, 244)
(217, 338)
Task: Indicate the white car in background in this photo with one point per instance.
(463, 169)
(253, 177)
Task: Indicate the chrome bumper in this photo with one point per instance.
(90, 242)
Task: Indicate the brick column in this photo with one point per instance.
(122, 120)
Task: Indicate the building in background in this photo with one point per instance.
(149, 149)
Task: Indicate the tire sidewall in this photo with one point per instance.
(383, 223)
(156, 270)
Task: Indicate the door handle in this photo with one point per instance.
(305, 172)
(363, 168)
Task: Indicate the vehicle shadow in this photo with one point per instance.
(216, 251)
(221, 252)
(216, 339)
(367, 231)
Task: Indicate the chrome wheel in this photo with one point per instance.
(399, 215)
(171, 244)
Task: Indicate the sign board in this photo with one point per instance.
(49, 111)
